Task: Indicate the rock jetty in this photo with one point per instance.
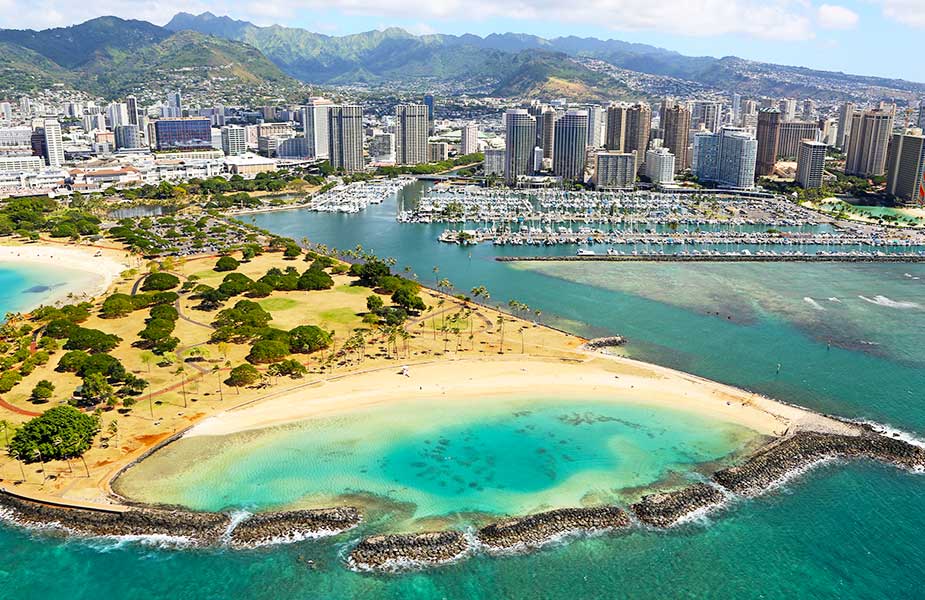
(782, 457)
(666, 509)
(269, 528)
(196, 527)
(605, 342)
(538, 529)
(199, 528)
(408, 551)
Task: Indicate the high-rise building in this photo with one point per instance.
(615, 135)
(660, 166)
(809, 110)
(438, 151)
(791, 134)
(676, 126)
(921, 113)
(127, 136)
(810, 164)
(519, 139)
(494, 162)
(131, 104)
(469, 139)
(548, 123)
(6, 111)
(615, 170)
(868, 141)
(905, 170)
(345, 137)
(768, 134)
(726, 158)
(234, 140)
(595, 125)
(429, 103)
(54, 143)
(315, 127)
(411, 127)
(174, 107)
(183, 133)
(637, 129)
(788, 109)
(571, 142)
(708, 113)
(117, 114)
(845, 113)
(736, 109)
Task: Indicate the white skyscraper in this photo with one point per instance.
(520, 139)
(707, 113)
(234, 140)
(411, 130)
(726, 158)
(868, 141)
(736, 109)
(315, 126)
(345, 137)
(788, 109)
(494, 162)
(54, 143)
(469, 139)
(660, 166)
(845, 113)
(595, 125)
(117, 114)
(6, 111)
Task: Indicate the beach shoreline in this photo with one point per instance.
(105, 265)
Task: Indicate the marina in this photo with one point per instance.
(358, 195)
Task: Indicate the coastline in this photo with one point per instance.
(104, 264)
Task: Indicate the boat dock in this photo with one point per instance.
(792, 258)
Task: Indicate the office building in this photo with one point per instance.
(53, 143)
(494, 162)
(788, 109)
(810, 164)
(868, 142)
(790, 136)
(809, 110)
(438, 151)
(519, 140)
(637, 129)
(234, 140)
(382, 148)
(615, 170)
(127, 136)
(429, 103)
(615, 132)
(768, 135)
(345, 137)
(411, 128)
(21, 163)
(131, 105)
(660, 166)
(595, 125)
(571, 142)
(676, 128)
(845, 114)
(548, 138)
(315, 127)
(183, 133)
(469, 139)
(706, 113)
(905, 170)
(292, 148)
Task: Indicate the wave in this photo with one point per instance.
(813, 303)
(884, 301)
(833, 299)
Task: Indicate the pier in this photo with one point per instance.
(767, 258)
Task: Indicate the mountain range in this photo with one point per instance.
(112, 56)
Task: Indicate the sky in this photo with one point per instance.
(867, 37)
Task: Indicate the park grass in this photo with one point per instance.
(278, 304)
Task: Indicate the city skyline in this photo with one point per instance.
(851, 36)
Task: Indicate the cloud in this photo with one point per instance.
(908, 12)
(832, 16)
(766, 19)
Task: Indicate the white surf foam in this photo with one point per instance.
(813, 303)
(884, 301)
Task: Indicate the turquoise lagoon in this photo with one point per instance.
(840, 531)
(25, 286)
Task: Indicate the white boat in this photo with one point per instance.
(583, 252)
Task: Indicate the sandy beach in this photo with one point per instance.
(480, 379)
(105, 265)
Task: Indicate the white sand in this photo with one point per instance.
(477, 380)
(104, 265)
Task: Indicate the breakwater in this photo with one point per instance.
(788, 455)
(197, 528)
(395, 552)
(536, 530)
(791, 258)
(667, 508)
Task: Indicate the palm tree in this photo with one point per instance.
(147, 357)
(5, 425)
(181, 371)
(500, 322)
(436, 271)
(221, 392)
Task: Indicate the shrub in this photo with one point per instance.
(42, 392)
(71, 362)
(226, 263)
(234, 284)
(259, 290)
(160, 282)
(408, 300)
(287, 368)
(374, 303)
(36, 440)
(164, 311)
(104, 364)
(60, 329)
(8, 381)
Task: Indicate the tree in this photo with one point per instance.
(226, 263)
(287, 368)
(408, 300)
(267, 351)
(315, 279)
(92, 340)
(306, 339)
(242, 376)
(71, 362)
(117, 305)
(374, 303)
(96, 390)
(36, 439)
(160, 282)
(42, 392)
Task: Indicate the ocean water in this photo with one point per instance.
(25, 286)
(843, 530)
(430, 460)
